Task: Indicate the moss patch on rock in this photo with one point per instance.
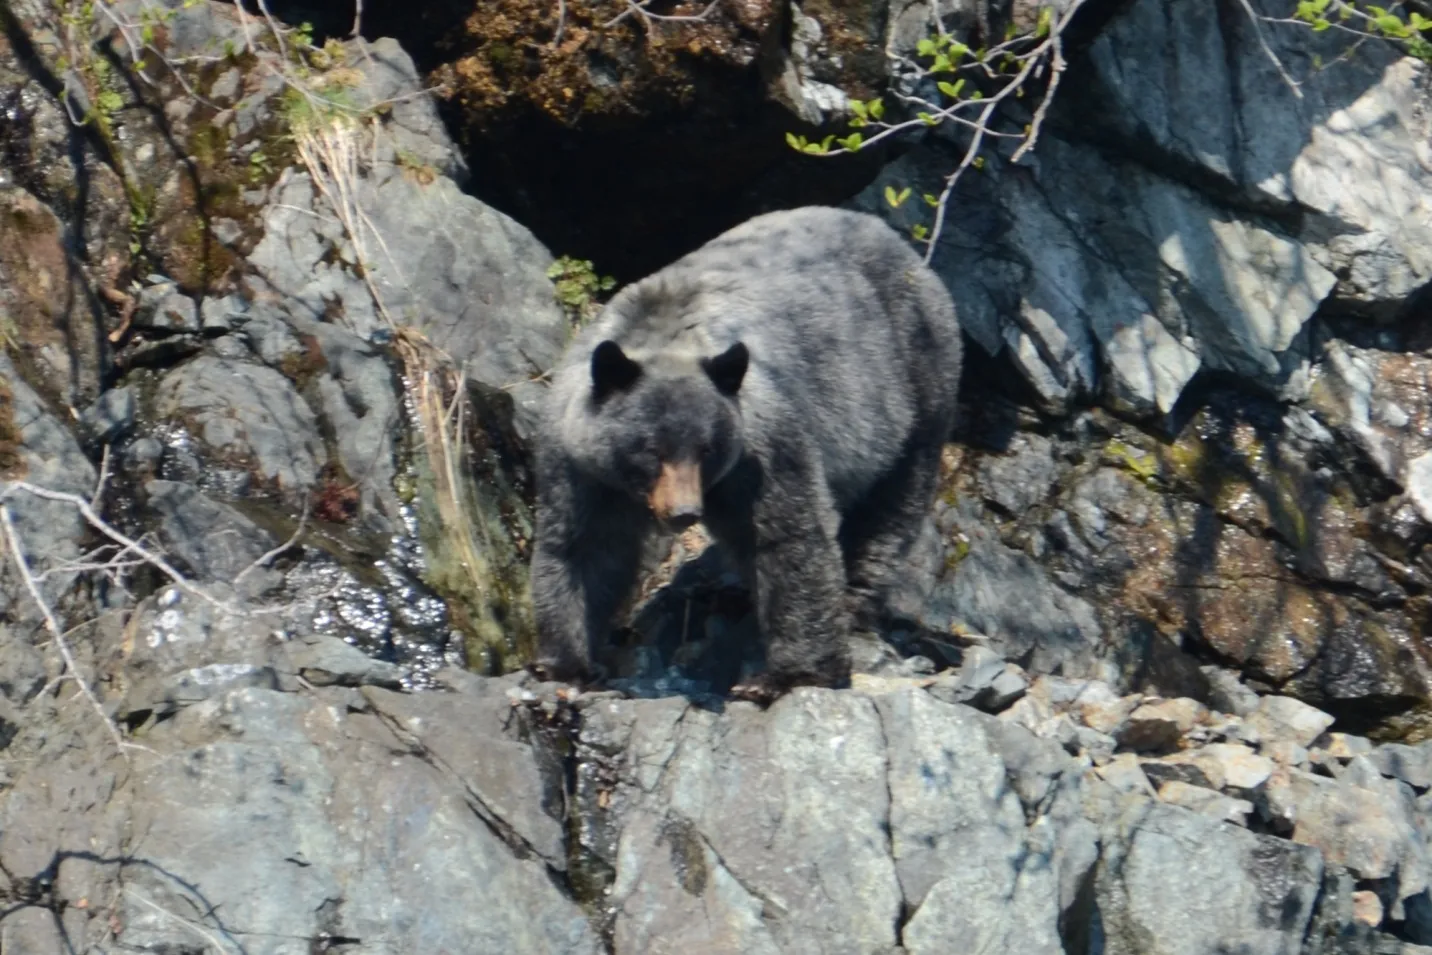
(12, 461)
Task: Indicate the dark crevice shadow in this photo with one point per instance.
(146, 97)
(208, 914)
(81, 141)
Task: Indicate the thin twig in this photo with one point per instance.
(969, 159)
(274, 29)
(22, 567)
(638, 7)
(1056, 70)
(103, 478)
(270, 555)
(1054, 45)
(99, 524)
(187, 923)
(1268, 50)
(90, 567)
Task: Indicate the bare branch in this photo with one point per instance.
(1268, 50)
(561, 23)
(274, 30)
(1056, 71)
(190, 924)
(103, 478)
(1053, 44)
(266, 558)
(128, 543)
(638, 7)
(969, 160)
(22, 567)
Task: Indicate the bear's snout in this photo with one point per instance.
(676, 498)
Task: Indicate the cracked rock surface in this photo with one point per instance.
(491, 814)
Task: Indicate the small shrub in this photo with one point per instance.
(579, 288)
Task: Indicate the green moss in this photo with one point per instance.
(405, 487)
(208, 145)
(220, 170)
(12, 462)
(501, 55)
(1412, 726)
(595, 101)
(1186, 458)
(1142, 464)
(1288, 515)
(959, 550)
(481, 580)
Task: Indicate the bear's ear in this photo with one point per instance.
(612, 370)
(728, 368)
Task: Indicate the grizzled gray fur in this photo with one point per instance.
(790, 384)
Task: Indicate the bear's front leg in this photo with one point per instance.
(584, 563)
(799, 587)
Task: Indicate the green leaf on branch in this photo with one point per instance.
(1392, 26)
(952, 90)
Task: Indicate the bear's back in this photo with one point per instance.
(853, 340)
(800, 279)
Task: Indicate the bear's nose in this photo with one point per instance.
(681, 520)
(676, 498)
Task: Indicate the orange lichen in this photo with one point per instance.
(12, 462)
(335, 499)
(599, 68)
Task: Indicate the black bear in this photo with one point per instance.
(790, 384)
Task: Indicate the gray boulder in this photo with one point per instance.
(38, 449)
(1175, 882)
(246, 414)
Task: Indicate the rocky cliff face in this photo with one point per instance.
(268, 369)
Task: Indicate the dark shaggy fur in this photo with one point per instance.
(806, 362)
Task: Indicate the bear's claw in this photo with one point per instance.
(761, 690)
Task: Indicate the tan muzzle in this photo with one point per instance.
(676, 498)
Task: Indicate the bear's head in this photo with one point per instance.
(664, 431)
